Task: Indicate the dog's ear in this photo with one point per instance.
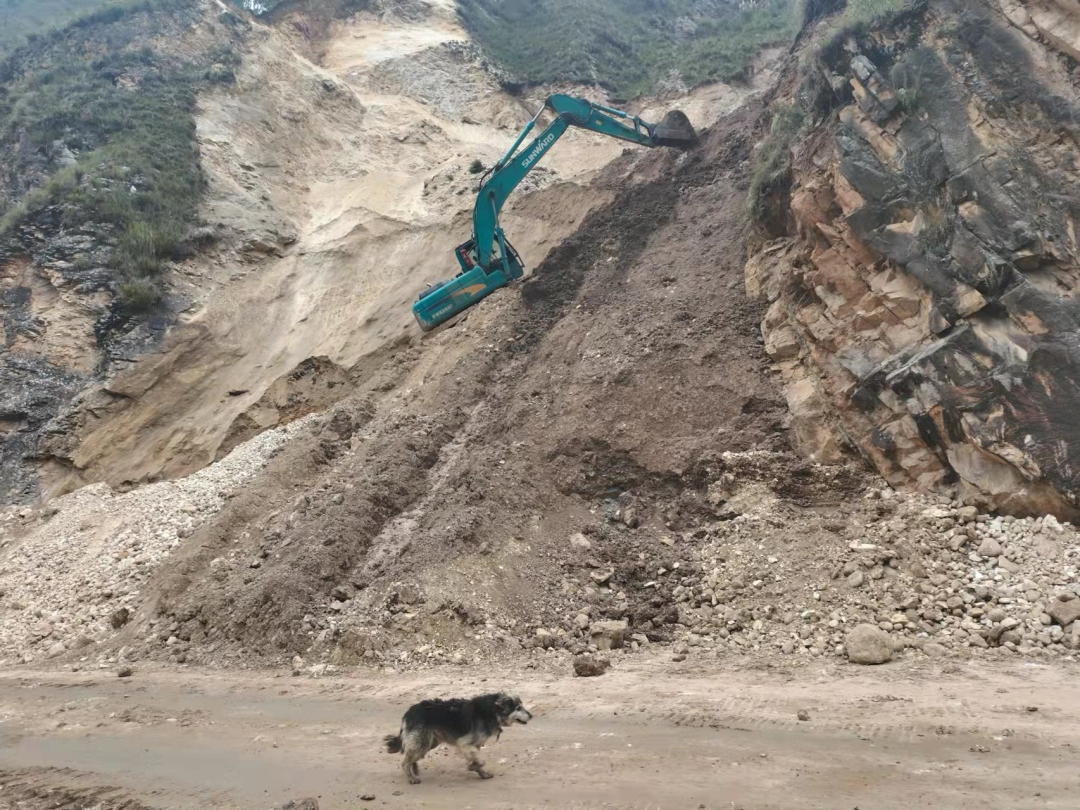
(506, 703)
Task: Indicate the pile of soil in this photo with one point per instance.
(620, 373)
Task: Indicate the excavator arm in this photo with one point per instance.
(488, 260)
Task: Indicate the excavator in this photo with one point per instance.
(488, 260)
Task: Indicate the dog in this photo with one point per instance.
(465, 724)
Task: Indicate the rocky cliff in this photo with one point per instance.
(922, 287)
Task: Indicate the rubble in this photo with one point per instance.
(778, 581)
(79, 569)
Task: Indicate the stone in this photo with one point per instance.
(580, 541)
(967, 514)
(609, 635)
(996, 615)
(582, 621)
(56, 650)
(990, 548)
(803, 715)
(1012, 637)
(590, 666)
(125, 672)
(934, 650)
(601, 577)
(856, 579)
(343, 592)
(1064, 613)
(867, 644)
(119, 618)
(301, 804)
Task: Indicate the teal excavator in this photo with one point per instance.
(488, 260)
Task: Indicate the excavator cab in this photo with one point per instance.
(445, 299)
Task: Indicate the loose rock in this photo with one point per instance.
(867, 644)
(590, 666)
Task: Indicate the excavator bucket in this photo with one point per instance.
(675, 130)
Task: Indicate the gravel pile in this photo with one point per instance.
(876, 575)
(72, 574)
(933, 576)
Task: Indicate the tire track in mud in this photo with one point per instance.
(59, 789)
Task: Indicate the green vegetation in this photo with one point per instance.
(627, 46)
(870, 12)
(124, 126)
(29, 18)
(907, 83)
(772, 166)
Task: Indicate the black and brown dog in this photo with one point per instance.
(465, 724)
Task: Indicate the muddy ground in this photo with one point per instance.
(650, 734)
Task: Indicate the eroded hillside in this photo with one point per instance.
(336, 163)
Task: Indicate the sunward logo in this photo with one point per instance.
(537, 151)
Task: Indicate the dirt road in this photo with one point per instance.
(650, 734)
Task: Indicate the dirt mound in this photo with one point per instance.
(84, 561)
(626, 366)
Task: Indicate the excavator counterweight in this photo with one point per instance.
(488, 261)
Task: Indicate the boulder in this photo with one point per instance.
(867, 644)
(580, 541)
(1064, 613)
(609, 635)
(590, 666)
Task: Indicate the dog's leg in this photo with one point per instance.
(414, 751)
(472, 755)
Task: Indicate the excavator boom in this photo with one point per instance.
(488, 261)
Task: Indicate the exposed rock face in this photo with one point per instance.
(923, 309)
(314, 385)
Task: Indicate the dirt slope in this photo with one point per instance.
(346, 185)
(627, 364)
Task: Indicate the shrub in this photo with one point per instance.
(859, 17)
(905, 79)
(476, 167)
(140, 295)
(81, 263)
(628, 46)
(137, 156)
(936, 228)
(772, 166)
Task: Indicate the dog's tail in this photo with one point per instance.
(393, 744)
